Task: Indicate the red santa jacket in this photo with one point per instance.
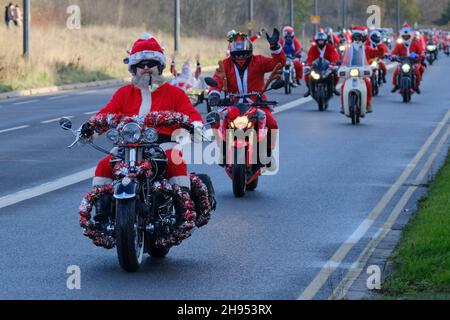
(329, 52)
(378, 52)
(253, 77)
(129, 101)
(297, 46)
(401, 50)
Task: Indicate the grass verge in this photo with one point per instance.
(422, 258)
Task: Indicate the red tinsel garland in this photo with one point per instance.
(103, 122)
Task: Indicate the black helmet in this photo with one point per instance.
(321, 39)
(241, 48)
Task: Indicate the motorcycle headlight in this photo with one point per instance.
(342, 48)
(131, 133)
(315, 75)
(151, 135)
(399, 40)
(406, 68)
(374, 64)
(113, 135)
(354, 73)
(431, 47)
(241, 122)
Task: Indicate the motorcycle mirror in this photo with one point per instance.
(65, 123)
(213, 118)
(211, 82)
(277, 84)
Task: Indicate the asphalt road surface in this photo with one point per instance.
(269, 245)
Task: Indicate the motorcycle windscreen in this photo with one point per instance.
(354, 57)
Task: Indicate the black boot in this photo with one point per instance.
(336, 92)
(395, 89)
(103, 209)
(307, 93)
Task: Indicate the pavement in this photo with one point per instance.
(296, 237)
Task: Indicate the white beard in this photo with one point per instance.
(146, 80)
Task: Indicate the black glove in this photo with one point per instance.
(214, 100)
(87, 130)
(274, 39)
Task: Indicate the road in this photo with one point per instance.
(269, 245)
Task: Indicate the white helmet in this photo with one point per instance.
(407, 35)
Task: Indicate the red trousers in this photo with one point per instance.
(298, 69)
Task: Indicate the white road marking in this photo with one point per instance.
(292, 104)
(91, 112)
(25, 102)
(55, 120)
(58, 97)
(13, 129)
(324, 274)
(346, 283)
(45, 188)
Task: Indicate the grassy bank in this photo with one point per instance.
(62, 56)
(422, 259)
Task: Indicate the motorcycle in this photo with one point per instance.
(431, 52)
(321, 82)
(289, 75)
(447, 49)
(243, 131)
(354, 97)
(148, 214)
(406, 77)
(377, 76)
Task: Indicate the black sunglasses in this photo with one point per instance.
(147, 63)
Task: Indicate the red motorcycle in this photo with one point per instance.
(243, 134)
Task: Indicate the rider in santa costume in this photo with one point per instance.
(405, 47)
(148, 93)
(245, 72)
(321, 48)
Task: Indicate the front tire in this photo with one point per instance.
(239, 180)
(129, 236)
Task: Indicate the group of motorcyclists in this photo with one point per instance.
(242, 75)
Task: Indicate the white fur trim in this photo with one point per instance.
(146, 55)
(182, 181)
(214, 92)
(146, 103)
(197, 124)
(99, 181)
(276, 51)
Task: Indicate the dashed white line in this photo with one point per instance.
(91, 112)
(58, 97)
(13, 129)
(45, 188)
(55, 120)
(25, 102)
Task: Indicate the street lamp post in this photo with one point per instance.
(291, 13)
(26, 29)
(177, 26)
(250, 16)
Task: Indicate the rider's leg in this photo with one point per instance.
(383, 71)
(298, 70)
(395, 78)
(103, 176)
(369, 94)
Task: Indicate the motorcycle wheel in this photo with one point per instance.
(406, 94)
(253, 185)
(352, 108)
(287, 84)
(239, 183)
(129, 236)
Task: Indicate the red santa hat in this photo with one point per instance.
(360, 30)
(146, 48)
(406, 25)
